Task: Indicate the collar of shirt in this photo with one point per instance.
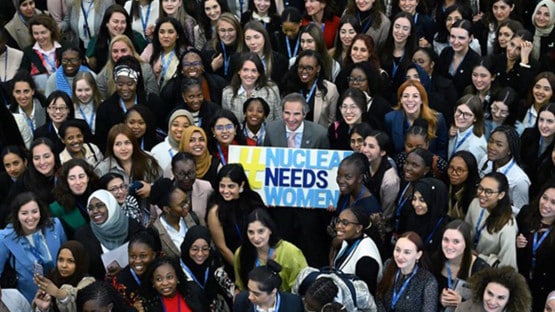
(265, 18)
(461, 135)
(300, 129)
(53, 51)
(32, 115)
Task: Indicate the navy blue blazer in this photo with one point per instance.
(288, 303)
(397, 125)
(24, 259)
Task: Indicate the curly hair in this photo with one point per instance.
(62, 192)
(520, 298)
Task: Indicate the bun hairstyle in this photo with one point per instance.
(267, 276)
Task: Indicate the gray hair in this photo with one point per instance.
(296, 97)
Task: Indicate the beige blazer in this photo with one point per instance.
(325, 106)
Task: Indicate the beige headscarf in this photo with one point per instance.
(542, 32)
(178, 113)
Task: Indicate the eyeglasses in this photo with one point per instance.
(71, 60)
(347, 108)
(190, 64)
(185, 174)
(227, 127)
(457, 171)
(98, 206)
(503, 113)
(116, 188)
(343, 222)
(57, 108)
(465, 115)
(486, 191)
(307, 68)
(358, 80)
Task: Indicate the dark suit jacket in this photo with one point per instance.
(47, 131)
(314, 135)
(463, 75)
(288, 303)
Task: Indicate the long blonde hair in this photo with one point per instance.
(110, 63)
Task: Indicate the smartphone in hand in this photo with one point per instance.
(38, 269)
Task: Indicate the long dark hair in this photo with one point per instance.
(248, 252)
(532, 219)
(292, 82)
(469, 186)
(63, 194)
(150, 138)
(25, 198)
(262, 80)
(439, 257)
(180, 44)
(502, 213)
(104, 294)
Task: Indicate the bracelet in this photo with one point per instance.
(525, 65)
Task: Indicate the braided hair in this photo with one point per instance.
(513, 139)
(322, 291)
(104, 294)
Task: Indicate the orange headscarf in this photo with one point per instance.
(203, 162)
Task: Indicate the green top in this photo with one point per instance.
(71, 220)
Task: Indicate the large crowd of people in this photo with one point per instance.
(118, 192)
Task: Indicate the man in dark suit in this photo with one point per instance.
(306, 134)
(306, 228)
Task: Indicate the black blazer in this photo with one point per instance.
(171, 93)
(288, 303)
(519, 78)
(47, 131)
(529, 159)
(463, 75)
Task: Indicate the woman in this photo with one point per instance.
(121, 46)
(455, 262)
(144, 14)
(59, 108)
(108, 229)
(372, 20)
(321, 296)
(176, 216)
(129, 79)
(99, 295)
(397, 51)
(463, 178)
(491, 216)
(41, 177)
(257, 40)
(483, 79)
(419, 287)
(352, 105)
(114, 183)
(144, 247)
(486, 28)
(504, 111)
(413, 104)
(537, 142)
(535, 244)
(115, 22)
(307, 76)
(320, 13)
(31, 238)
(467, 133)
(539, 95)
(359, 132)
(195, 142)
(504, 156)
(264, 12)
(348, 28)
(167, 289)
(71, 59)
(424, 26)
(228, 210)
(86, 98)
(14, 162)
(164, 151)
(311, 38)
(43, 56)
(140, 119)
(225, 131)
(176, 9)
(26, 101)
(256, 110)
(357, 253)
(76, 182)
(502, 288)
(516, 68)
(504, 33)
(428, 216)
(65, 280)
(452, 13)
(83, 20)
(264, 294)
(251, 81)
(76, 136)
(264, 244)
(543, 21)
(168, 44)
(287, 39)
(382, 179)
(227, 43)
(456, 61)
(209, 13)
(18, 34)
(192, 99)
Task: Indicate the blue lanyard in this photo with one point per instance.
(430, 236)
(170, 151)
(345, 250)
(449, 277)
(238, 232)
(311, 93)
(366, 24)
(530, 117)
(178, 303)
(227, 59)
(401, 201)
(135, 277)
(144, 21)
(289, 47)
(356, 200)
(509, 167)
(222, 158)
(396, 65)
(270, 254)
(478, 229)
(166, 63)
(190, 273)
(259, 138)
(86, 16)
(397, 295)
(90, 121)
(459, 143)
(241, 8)
(123, 107)
(29, 121)
(323, 27)
(536, 244)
